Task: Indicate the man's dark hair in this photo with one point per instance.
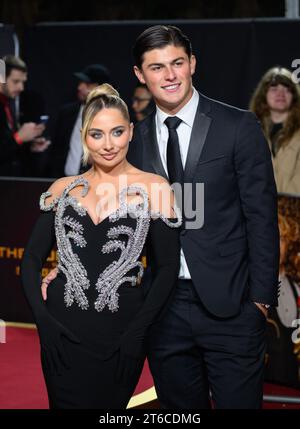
(12, 62)
(158, 37)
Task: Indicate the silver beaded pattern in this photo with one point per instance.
(115, 274)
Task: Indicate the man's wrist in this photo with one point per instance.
(266, 306)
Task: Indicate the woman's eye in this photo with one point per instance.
(118, 133)
(96, 135)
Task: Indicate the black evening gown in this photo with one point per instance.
(98, 295)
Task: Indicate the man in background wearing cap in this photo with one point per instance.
(65, 159)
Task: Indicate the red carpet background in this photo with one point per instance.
(22, 384)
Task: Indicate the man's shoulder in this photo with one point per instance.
(217, 107)
(145, 123)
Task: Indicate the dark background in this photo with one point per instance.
(6, 39)
(232, 55)
(23, 13)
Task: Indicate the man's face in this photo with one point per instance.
(140, 99)
(14, 83)
(83, 90)
(168, 72)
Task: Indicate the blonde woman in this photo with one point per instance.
(93, 325)
(276, 102)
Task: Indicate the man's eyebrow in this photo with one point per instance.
(155, 64)
(162, 64)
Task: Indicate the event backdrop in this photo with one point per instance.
(19, 211)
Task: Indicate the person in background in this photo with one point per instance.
(66, 154)
(13, 137)
(276, 103)
(142, 102)
(283, 365)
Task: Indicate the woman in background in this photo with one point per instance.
(276, 103)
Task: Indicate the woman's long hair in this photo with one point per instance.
(258, 103)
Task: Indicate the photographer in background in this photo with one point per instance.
(14, 138)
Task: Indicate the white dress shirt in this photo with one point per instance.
(73, 161)
(187, 115)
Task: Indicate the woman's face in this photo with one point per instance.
(279, 98)
(108, 137)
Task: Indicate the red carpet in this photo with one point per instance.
(22, 385)
(21, 378)
(274, 389)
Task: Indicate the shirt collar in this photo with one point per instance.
(186, 114)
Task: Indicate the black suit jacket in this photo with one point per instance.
(236, 252)
(9, 149)
(61, 139)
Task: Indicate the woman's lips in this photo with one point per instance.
(109, 157)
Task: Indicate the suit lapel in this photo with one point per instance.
(199, 133)
(151, 160)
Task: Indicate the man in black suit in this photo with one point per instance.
(212, 335)
(65, 159)
(15, 140)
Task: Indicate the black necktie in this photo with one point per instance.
(174, 163)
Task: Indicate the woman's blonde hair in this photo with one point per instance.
(102, 97)
(258, 103)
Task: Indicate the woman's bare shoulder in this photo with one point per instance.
(150, 178)
(57, 187)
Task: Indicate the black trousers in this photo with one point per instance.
(191, 353)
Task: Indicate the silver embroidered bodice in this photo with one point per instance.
(115, 274)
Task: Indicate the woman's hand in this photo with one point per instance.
(47, 280)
